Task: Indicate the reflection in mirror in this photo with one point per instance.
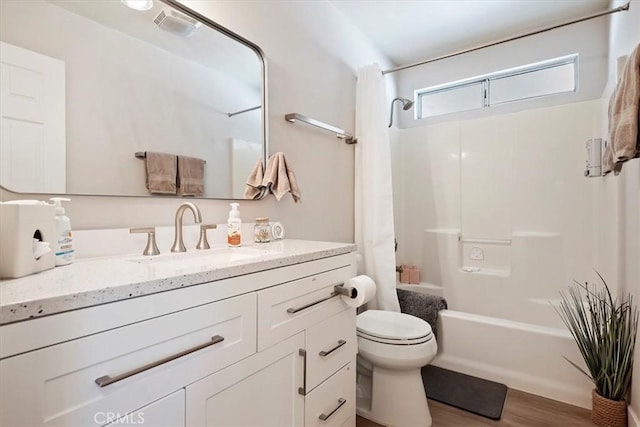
(87, 84)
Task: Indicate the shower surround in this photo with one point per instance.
(499, 217)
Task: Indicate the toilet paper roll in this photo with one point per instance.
(365, 287)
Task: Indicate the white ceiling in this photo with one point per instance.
(407, 31)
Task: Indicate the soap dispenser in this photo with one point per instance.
(234, 226)
(64, 237)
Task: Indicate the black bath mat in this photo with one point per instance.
(482, 397)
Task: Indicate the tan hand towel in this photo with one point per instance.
(161, 172)
(608, 165)
(190, 176)
(254, 183)
(280, 179)
(624, 108)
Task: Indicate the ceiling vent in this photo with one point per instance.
(176, 23)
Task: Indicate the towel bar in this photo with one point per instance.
(143, 155)
(341, 134)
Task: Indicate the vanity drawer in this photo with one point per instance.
(333, 403)
(292, 307)
(331, 344)
(136, 364)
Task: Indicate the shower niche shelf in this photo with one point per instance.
(484, 256)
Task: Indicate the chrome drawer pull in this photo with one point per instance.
(326, 353)
(295, 310)
(303, 390)
(341, 402)
(107, 380)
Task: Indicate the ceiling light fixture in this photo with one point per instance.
(138, 4)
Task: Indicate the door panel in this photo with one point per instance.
(261, 390)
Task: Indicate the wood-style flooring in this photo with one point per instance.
(520, 410)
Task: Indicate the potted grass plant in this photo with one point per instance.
(604, 329)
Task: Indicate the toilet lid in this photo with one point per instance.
(390, 325)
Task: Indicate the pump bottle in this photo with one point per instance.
(63, 243)
(234, 226)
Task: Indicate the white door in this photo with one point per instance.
(261, 390)
(32, 121)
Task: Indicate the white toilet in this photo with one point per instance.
(392, 347)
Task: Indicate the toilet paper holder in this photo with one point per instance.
(341, 290)
(338, 289)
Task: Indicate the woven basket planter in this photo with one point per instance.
(608, 413)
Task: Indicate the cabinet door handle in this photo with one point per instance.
(326, 353)
(293, 310)
(107, 380)
(303, 390)
(341, 402)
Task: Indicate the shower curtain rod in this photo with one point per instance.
(543, 30)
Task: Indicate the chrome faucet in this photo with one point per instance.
(178, 243)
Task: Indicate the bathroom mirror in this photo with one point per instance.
(88, 87)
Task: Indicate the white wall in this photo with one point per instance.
(619, 214)
(312, 54)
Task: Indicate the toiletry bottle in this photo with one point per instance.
(63, 243)
(234, 226)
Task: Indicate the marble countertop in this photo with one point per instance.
(96, 281)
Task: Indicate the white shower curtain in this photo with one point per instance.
(374, 233)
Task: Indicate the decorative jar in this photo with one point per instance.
(262, 231)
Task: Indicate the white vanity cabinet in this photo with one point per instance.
(304, 371)
(121, 370)
(309, 305)
(271, 348)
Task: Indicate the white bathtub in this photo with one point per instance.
(523, 356)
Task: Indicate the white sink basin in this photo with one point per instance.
(209, 257)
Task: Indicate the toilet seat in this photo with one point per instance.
(393, 328)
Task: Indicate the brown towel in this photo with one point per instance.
(624, 108)
(608, 165)
(280, 179)
(161, 172)
(190, 176)
(254, 187)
